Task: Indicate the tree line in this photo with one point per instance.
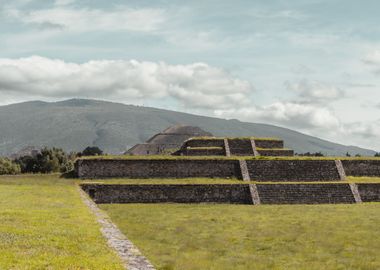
(48, 160)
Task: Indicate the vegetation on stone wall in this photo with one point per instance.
(91, 151)
(9, 167)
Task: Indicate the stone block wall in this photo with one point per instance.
(369, 192)
(240, 147)
(273, 152)
(259, 170)
(305, 193)
(207, 151)
(269, 143)
(362, 167)
(204, 143)
(235, 193)
(293, 170)
(157, 168)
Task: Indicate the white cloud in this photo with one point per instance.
(373, 61)
(303, 117)
(85, 19)
(63, 2)
(315, 91)
(196, 85)
(372, 58)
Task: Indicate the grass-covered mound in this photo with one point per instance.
(45, 225)
(180, 236)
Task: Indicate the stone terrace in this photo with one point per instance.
(206, 146)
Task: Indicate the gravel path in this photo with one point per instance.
(129, 253)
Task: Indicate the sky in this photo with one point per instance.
(312, 66)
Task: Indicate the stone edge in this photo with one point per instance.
(129, 254)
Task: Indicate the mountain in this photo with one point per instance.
(77, 123)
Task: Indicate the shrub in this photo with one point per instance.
(9, 167)
(48, 161)
(91, 151)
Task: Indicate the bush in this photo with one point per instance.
(48, 161)
(91, 151)
(308, 154)
(9, 167)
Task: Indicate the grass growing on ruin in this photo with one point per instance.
(169, 157)
(180, 236)
(352, 179)
(206, 138)
(158, 181)
(211, 181)
(45, 225)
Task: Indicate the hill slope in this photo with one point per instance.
(77, 123)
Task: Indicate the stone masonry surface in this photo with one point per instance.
(272, 152)
(235, 193)
(269, 143)
(240, 147)
(369, 192)
(204, 152)
(305, 193)
(362, 167)
(293, 170)
(260, 170)
(140, 168)
(204, 143)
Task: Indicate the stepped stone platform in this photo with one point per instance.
(360, 167)
(316, 193)
(234, 193)
(278, 177)
(293, 170)
(305, 193)
(259, 170)
(206, 146)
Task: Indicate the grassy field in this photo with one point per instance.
(45, 225)
(179, 236)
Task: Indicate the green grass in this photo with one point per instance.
(169, 157)
(45, 225)
(179, 236)
(363, 179)
(208, 181)
(234, 138)
(158, 181)
(274, 149)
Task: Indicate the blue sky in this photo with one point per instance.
(313, 66)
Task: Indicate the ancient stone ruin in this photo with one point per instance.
(250, 146)
(167, 141)
(269, 174)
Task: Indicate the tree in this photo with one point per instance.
(348, 154)
(47, 161)
(9, 167)
(91, 151)
(377, 155)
